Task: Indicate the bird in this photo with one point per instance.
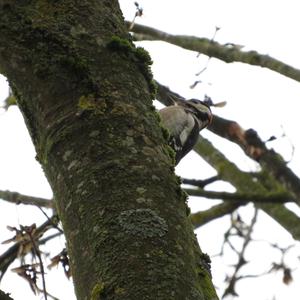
(184, 120)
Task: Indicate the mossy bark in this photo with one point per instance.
(87, 105)
(4, 296)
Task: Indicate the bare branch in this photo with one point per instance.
(255, 148)
(203, 217)
(242, 197)
(54, 224)
(226, 52)
(17, 198)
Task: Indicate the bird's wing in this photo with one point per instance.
(182, 126)
(176, 119)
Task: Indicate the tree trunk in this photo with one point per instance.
(83, 89)
(4, 296)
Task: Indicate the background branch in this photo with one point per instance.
(18, 198)
(255, 148)
(244, 182)
(200, 183)
(215, 212)
(226, 53)
(242, 197)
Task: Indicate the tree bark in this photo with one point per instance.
(4, 296)
(83, 89)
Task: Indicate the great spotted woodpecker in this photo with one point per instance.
(184, 121)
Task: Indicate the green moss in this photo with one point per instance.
(143, 56)
(116, 43)
(203, 270)
(165, 133)
(178, 180)
(187, 210)
(207, 288)
(138, 55)
(206, 262)
(121, 108)
(183, 194)
(90, 102)
(97, 291)
(76, 62)
(145, 61)
(120, 291)
(153, 88)
(9, 101)
(86, 102)
(156, 114)
(4, 296)
(170, 152)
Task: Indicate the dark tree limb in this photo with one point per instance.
(243, 182)
(255, 148)
(200, 183)
(242, 197)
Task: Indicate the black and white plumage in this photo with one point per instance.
(184, 121)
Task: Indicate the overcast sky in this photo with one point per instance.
(257, 98)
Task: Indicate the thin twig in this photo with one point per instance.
(241, 259)
(50, 220)
(38, 254)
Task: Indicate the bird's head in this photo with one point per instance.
(200, 109)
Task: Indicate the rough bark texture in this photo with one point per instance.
(84, 92)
